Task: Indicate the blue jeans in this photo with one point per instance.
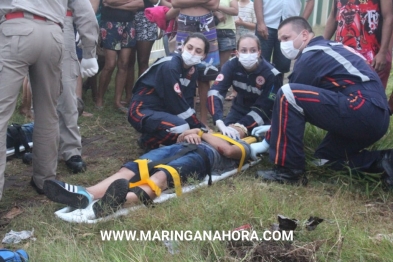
(271, 51)
(189, 165)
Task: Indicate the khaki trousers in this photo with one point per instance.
(32, 47)
(70, 138)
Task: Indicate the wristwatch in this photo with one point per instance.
(202, 130)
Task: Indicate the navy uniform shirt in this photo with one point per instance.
(256, 92)
(169, 87)
(330, 65)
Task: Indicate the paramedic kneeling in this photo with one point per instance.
(333, 88)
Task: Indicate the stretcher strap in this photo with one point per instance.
(250, 139)
(143, 168)
(150, 183)
(233, 142)
(145, 177)
(175, 177)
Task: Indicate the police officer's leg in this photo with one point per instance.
(45, 77)
(67, 108)
(162, 128)
(13, 69)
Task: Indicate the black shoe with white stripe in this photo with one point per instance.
(113, 200)
(70, 195)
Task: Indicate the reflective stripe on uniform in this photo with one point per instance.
(340, 59)
(257, 118)
(247, 88)
(186, 114)
(184, 81)
(286, 89)
(216, 94)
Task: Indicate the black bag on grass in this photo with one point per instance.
(18, 135)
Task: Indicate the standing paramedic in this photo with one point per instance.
(31, 42)
(333, 88)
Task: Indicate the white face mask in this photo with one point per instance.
(289, 50)
(190, 59)
(248, 60)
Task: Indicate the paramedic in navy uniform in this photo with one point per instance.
(163, 97)
(333, 88)
(256, 83)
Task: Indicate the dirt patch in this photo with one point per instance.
(273, 251)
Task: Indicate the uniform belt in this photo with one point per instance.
(21, 14)
(69, 13)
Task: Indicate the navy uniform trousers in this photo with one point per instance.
(352, 124)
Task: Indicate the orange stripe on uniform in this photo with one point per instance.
(167, 124)
(137, 109)
(305, 92)
(279, 131)
(285, 134)
(212, 105)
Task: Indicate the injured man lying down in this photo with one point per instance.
(195, 155)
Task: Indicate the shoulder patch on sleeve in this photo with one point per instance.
(220, 77)
(177, 89)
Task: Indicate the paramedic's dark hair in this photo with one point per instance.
(249, 35)
(298, 23)
(200, 36)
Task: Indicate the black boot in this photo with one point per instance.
(385, 165)
(284, 175)
(76, 164)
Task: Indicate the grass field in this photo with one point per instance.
(354, 208)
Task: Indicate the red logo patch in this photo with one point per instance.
(177, 89)
(260, 80)
(220, 77)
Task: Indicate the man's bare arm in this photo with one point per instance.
(172, 13)
(261, 26)
(248, 25)
(211, 5)
(331, 23)
(379, 61)
(125, 3)
(132, 5)
(232, 9)
(187, 3)
(222, 146)
(165, 3)
(115, 2)
(308, 8)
